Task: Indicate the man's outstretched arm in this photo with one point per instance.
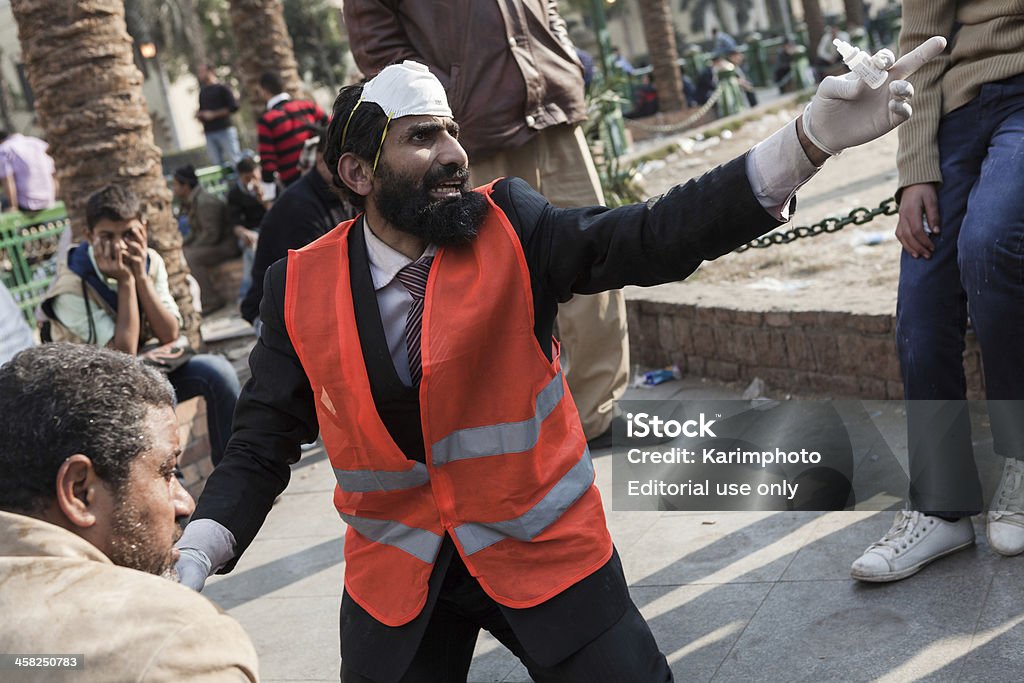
(589, 250)
(275, 413)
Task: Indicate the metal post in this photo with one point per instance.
(758, 59)
(787, 21)
(613, 123)
(604, 42)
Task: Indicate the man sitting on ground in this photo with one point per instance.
(246, 209)
(88, 510)
(210, 240)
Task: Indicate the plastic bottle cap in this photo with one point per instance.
(846, 51)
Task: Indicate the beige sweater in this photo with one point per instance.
(989, 46)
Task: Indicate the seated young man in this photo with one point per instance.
(112, 291)
(210, 240)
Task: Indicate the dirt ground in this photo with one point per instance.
(852, 270)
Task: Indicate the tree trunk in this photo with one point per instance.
(88, 94)
(263, 44)
(659, 32)
(5, 101)
(780, 15)
(815, 21)
(196, 37)
(854, 14)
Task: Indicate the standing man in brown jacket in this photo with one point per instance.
(515, 86)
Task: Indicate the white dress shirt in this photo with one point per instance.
(393, 299)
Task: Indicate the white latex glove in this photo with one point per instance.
(193, 568)
(846, 112)
(205, 547)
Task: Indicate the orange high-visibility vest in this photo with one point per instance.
(507, 474)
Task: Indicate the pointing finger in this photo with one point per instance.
(918, 57)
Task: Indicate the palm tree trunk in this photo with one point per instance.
(854, 14)
(5, 101)
(659, 32)
(815, 21)
(263, 44)
(196, 37)
(88, 96)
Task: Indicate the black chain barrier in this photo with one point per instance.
(858, 216)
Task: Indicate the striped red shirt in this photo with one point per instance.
(282, 131)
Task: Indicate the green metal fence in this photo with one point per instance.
(28, 242)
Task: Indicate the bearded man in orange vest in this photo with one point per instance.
(417, 339)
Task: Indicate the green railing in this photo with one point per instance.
(216, 179)
(28, 243)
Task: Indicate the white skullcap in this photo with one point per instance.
(407, 89)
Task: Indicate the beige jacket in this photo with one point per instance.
(986, 45)
(60, 595)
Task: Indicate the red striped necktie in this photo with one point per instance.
(414, 278)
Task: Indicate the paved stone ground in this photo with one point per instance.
(729, 596)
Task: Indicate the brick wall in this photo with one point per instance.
(228, 278)
(193, 435)
(803, 352)
(194, 462)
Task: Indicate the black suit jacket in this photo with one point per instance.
(303, 212)
(568, 251)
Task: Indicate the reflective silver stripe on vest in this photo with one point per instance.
(361, 481)
(508, 437)
(475, 536)
(420, 543)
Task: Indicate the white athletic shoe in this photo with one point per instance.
(914, 540)
(1006, 521)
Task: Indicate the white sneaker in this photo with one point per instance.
(914, 540)
(1005, 529)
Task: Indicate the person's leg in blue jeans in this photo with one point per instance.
(248, 255)
(213, 378)
(931, 320)
(215, 148)
(991, 248)
(222, 147)
(991, 245)
(978, 263)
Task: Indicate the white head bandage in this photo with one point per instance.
(406, 89)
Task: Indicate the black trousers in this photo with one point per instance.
(625, 652)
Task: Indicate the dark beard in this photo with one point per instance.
(408, 206)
